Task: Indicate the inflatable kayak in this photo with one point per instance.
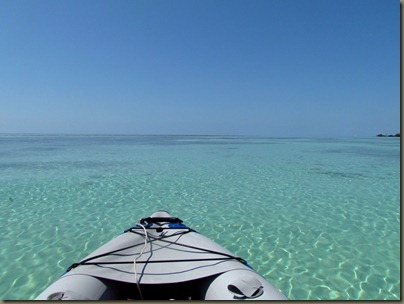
(160, 258)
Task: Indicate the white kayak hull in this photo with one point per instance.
(161, 259)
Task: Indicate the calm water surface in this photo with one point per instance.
(319, 218)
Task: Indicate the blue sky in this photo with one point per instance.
(248, 67)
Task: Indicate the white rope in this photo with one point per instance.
(146, 239)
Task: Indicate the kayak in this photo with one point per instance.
(160, 258)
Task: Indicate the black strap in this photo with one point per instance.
(162, 261)
(160, 220)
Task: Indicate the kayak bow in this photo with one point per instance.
(160, 258)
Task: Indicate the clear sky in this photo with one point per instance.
(247, 67)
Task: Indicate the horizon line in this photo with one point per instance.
(178, 134)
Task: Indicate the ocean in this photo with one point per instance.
(319, 218)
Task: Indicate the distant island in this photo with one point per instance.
(383, 135)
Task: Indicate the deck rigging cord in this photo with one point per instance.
(87, 261)
(146, 239)
(141, 229)
(225, 256)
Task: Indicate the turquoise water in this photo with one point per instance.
(319, 218)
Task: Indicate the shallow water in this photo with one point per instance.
(319, 218)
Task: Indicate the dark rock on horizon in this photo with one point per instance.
(383, 135)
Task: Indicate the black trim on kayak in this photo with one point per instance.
(160, 229)
(160, 220)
